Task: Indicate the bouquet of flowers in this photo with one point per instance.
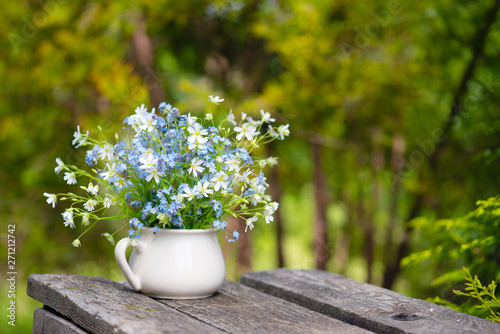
(174, 171)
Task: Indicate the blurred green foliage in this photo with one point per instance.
(472, 241)
(371, 82)
(485, 296)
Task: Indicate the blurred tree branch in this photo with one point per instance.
(393, 267)
(144, 60)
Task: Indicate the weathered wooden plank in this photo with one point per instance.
(238, 309)
(47, 322)
(364, 305)
(100, 305)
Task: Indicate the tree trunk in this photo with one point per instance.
(373, 202)
(244, 246)
(275, 192)
(368, 229)
(393, 268)
(320, 242)
(398, 148)
(143, 58)
(343, 246)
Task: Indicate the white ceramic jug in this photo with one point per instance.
(173, 264)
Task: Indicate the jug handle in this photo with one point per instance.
(121, 259)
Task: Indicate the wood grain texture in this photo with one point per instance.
(47, 322)
(238, 309)
(364, 305)
(100, 305)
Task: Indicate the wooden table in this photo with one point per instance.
(276, 301)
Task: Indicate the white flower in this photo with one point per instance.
(266, 117)
(69, 223)
(154, 173)
(283, 131)
(140, 112)
(107, 202)
(256, 199)
(70, 177)
(189, 193)
(109, 237)
(93, 189)
(237, 179)
(202, 189)
(110, 173)
(220, 180)
(246, 130)
(215, 100)
(68, 218)
(195, 167)
(250, 222)
(230, 117)
(190, 119)
(268, 217)
(209, 117)
(51, 199)
(76, 243)
(67, 214)
(119, 183)
(197, 143)
(258, 196)
(163, 217)
(106, 151)
(233, 164)
(197, 132)
(178, 198)
(85, 218)
(272, 161)
(148, 122)
(273, 206)
(148, 161)
(80, 138)
(269, 210)
(90, 205)
(245, 177)
(272, 132)
(60, 165)
(252, 122)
